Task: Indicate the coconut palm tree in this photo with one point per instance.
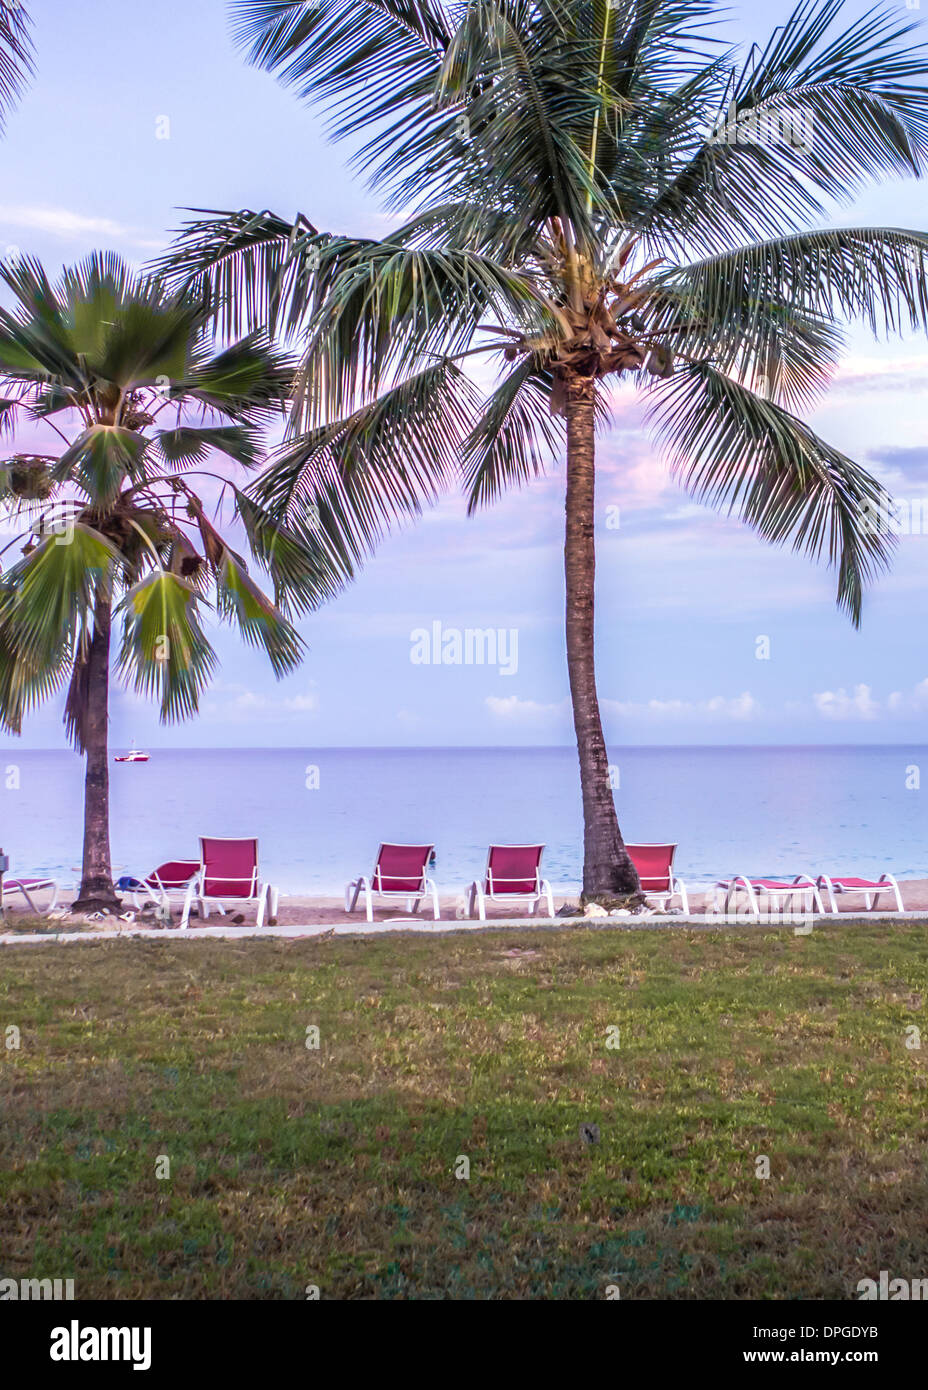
(16, 65)
(117, 521)
(590, 192)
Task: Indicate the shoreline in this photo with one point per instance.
(313, 914)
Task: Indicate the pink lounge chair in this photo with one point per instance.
(228, 873)
(399, 872)
(513, 874)
(655, 874)
(775, 890)
(28, 886)
(171, 878)
(870, 888)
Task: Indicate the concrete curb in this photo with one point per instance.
(709, 922)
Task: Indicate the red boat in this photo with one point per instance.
(134, 755)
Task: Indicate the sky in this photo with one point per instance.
(705, 634)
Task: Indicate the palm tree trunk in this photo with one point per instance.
(607, 870)
(97, 892)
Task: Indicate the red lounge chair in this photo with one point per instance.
(513, 875)
(400, 872)
(228, 873)
(173, 877)
(870, 888)
(655, 874)
(774, 890)
(28, 886)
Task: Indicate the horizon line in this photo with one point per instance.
(464, 747)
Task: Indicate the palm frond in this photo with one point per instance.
(385, 309)
(734, 450)
(47, 595)
(342, 486)
(366, 60)
(164, 651)
(240, 600)
(250, 270)
(186, 444)
(100, 460)
(812, 118)
(248, 381)
(513, 438)
(878, 275)
(16, 56)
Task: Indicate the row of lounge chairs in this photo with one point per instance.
(227, 874)
(659, 882)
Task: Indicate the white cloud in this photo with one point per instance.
(910, 702)
(838, 704)
(858, 372)
(510, 707)
(61, 222)
(743, 706)
(302, 704)
(513, 710)
(242, 704)
(739, 707)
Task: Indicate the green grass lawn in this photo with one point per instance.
(336, 1166)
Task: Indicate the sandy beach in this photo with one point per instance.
(297, 910)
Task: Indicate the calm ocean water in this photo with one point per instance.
(732, 810)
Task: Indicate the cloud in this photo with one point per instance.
(241, 704)
(719, 708)
(739, 707)
(61, 222)
(902, 469)
(302, 704)
(911, 702)
(838, 704)
(858, 373)
(510, 707)
(861, 704)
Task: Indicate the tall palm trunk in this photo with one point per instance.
(97, 890)
(607, 869)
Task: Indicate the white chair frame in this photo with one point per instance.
(833, 886)
(15, 885)
(152, 890)
(801, 886)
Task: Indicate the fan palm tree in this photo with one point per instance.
(590, 192)
(116, 521)
(16, 65)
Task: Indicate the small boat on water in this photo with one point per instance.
(134, 755)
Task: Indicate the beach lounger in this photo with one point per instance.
(400, 872)
(871, 889)
(656, 876)
(774, 890)
(169, 881)
(513, 874)
(228, 873)
(27, 887)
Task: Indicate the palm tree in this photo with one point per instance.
(591, 191)
(16, 65)
(114, 528)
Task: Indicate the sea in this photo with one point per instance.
(320, 814)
